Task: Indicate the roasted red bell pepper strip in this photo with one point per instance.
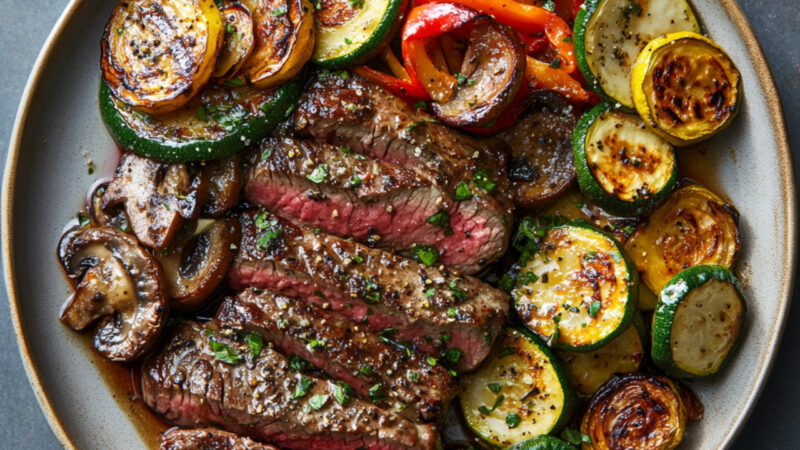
(542, 75)
(529, 19)
(401, 88)
(427, 22)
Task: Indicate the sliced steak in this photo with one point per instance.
(541, 165)
(405, 381)
(435, 309)
(194, 385)
(207, 439)
(369, 121)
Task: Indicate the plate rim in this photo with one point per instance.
(777, 122)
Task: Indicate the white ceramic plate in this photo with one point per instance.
(59, 128)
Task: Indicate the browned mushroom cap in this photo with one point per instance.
(197, 263)
(157, 197)
(112, 216)
(493, 71)
(224, 185)
(118, 283)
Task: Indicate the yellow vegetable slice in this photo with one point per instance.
(686, 87)
(157, 54)
(238, 41)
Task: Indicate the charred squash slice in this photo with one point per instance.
(698, 322)
(284, 40)
(220, 122)
(692, 228)
(522, 390)
(588, 371)
(610, 34)
(578, 291)
(351, 32)
(157, 54)
(686, 87)
(238, 41)
(622, 166)
(635, 411)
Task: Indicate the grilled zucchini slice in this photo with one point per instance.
(686, 87)
(579, 291)
(698, 322)
(543, 442)
(522, 390)
(610, 34)
(635, 411)
(157, 54)
(588, 371)
(350, 32)
(220, 122)
(622, 166)
(692, 228)
(238, 41)
(284, 40)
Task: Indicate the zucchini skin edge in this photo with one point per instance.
(671, 296)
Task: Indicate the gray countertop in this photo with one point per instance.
(23, 30)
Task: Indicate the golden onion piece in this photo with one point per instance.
(284, 40)
(635, 411)
(694, 227)
(157, 54)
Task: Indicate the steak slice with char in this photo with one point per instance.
(436, 310)
(344, 350)
(263, 398)
(371, 122)
(207, 439)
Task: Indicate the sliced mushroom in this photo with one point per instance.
(238, 25)
(118, 283)
(224, 185)
(197, 264)
(491, 74)
(157, 197)
(112, 216)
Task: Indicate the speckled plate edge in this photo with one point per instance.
(766, 81)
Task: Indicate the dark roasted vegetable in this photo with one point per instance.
(238, 42)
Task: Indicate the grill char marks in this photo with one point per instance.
(378, 126)
(207, 439)
(345, 351)
(256, 397)
(431, 308)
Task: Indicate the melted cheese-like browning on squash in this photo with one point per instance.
(619, 29)
(524, 376)
(581, 283)
(157, 54)
(706, 325)
(627, 159)
(694, 227)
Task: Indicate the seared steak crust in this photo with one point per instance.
(345, 351)
(262, 397)
(207, 439)
(367, 120)
(432, 308)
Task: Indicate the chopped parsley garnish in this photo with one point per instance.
(298, 363)
(354, 182)
(549, 5)
(356, 3)
(460, 77)
(202, 115)
(302, 387)
(229, 28)
(497, 401)
(267, 238)
(453, 354)
(318, 401)
(315, 343)
(458, 294)
(255, 342)
(506, 283)
(366, 370)
(347, 41)
(386, 335)
(463, 192)
(556, 331)
(223, 352)
(375, 393)
(343, 393)
(594, 308)
(556, 63)
(452, 312)
(413, 377)
(495, 387)
(277, 12)
(429, 293)
(482, 180)
(420, 105)
(234, 82)
(513, 420)
(529, 278)
(442, 220)
(633, 8)
(575, 437)
(425, 254)
(319, 174)
(506, 351)
(431, 360)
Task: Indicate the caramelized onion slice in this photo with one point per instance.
(635, 411)
(118, 284)
(492, 73)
